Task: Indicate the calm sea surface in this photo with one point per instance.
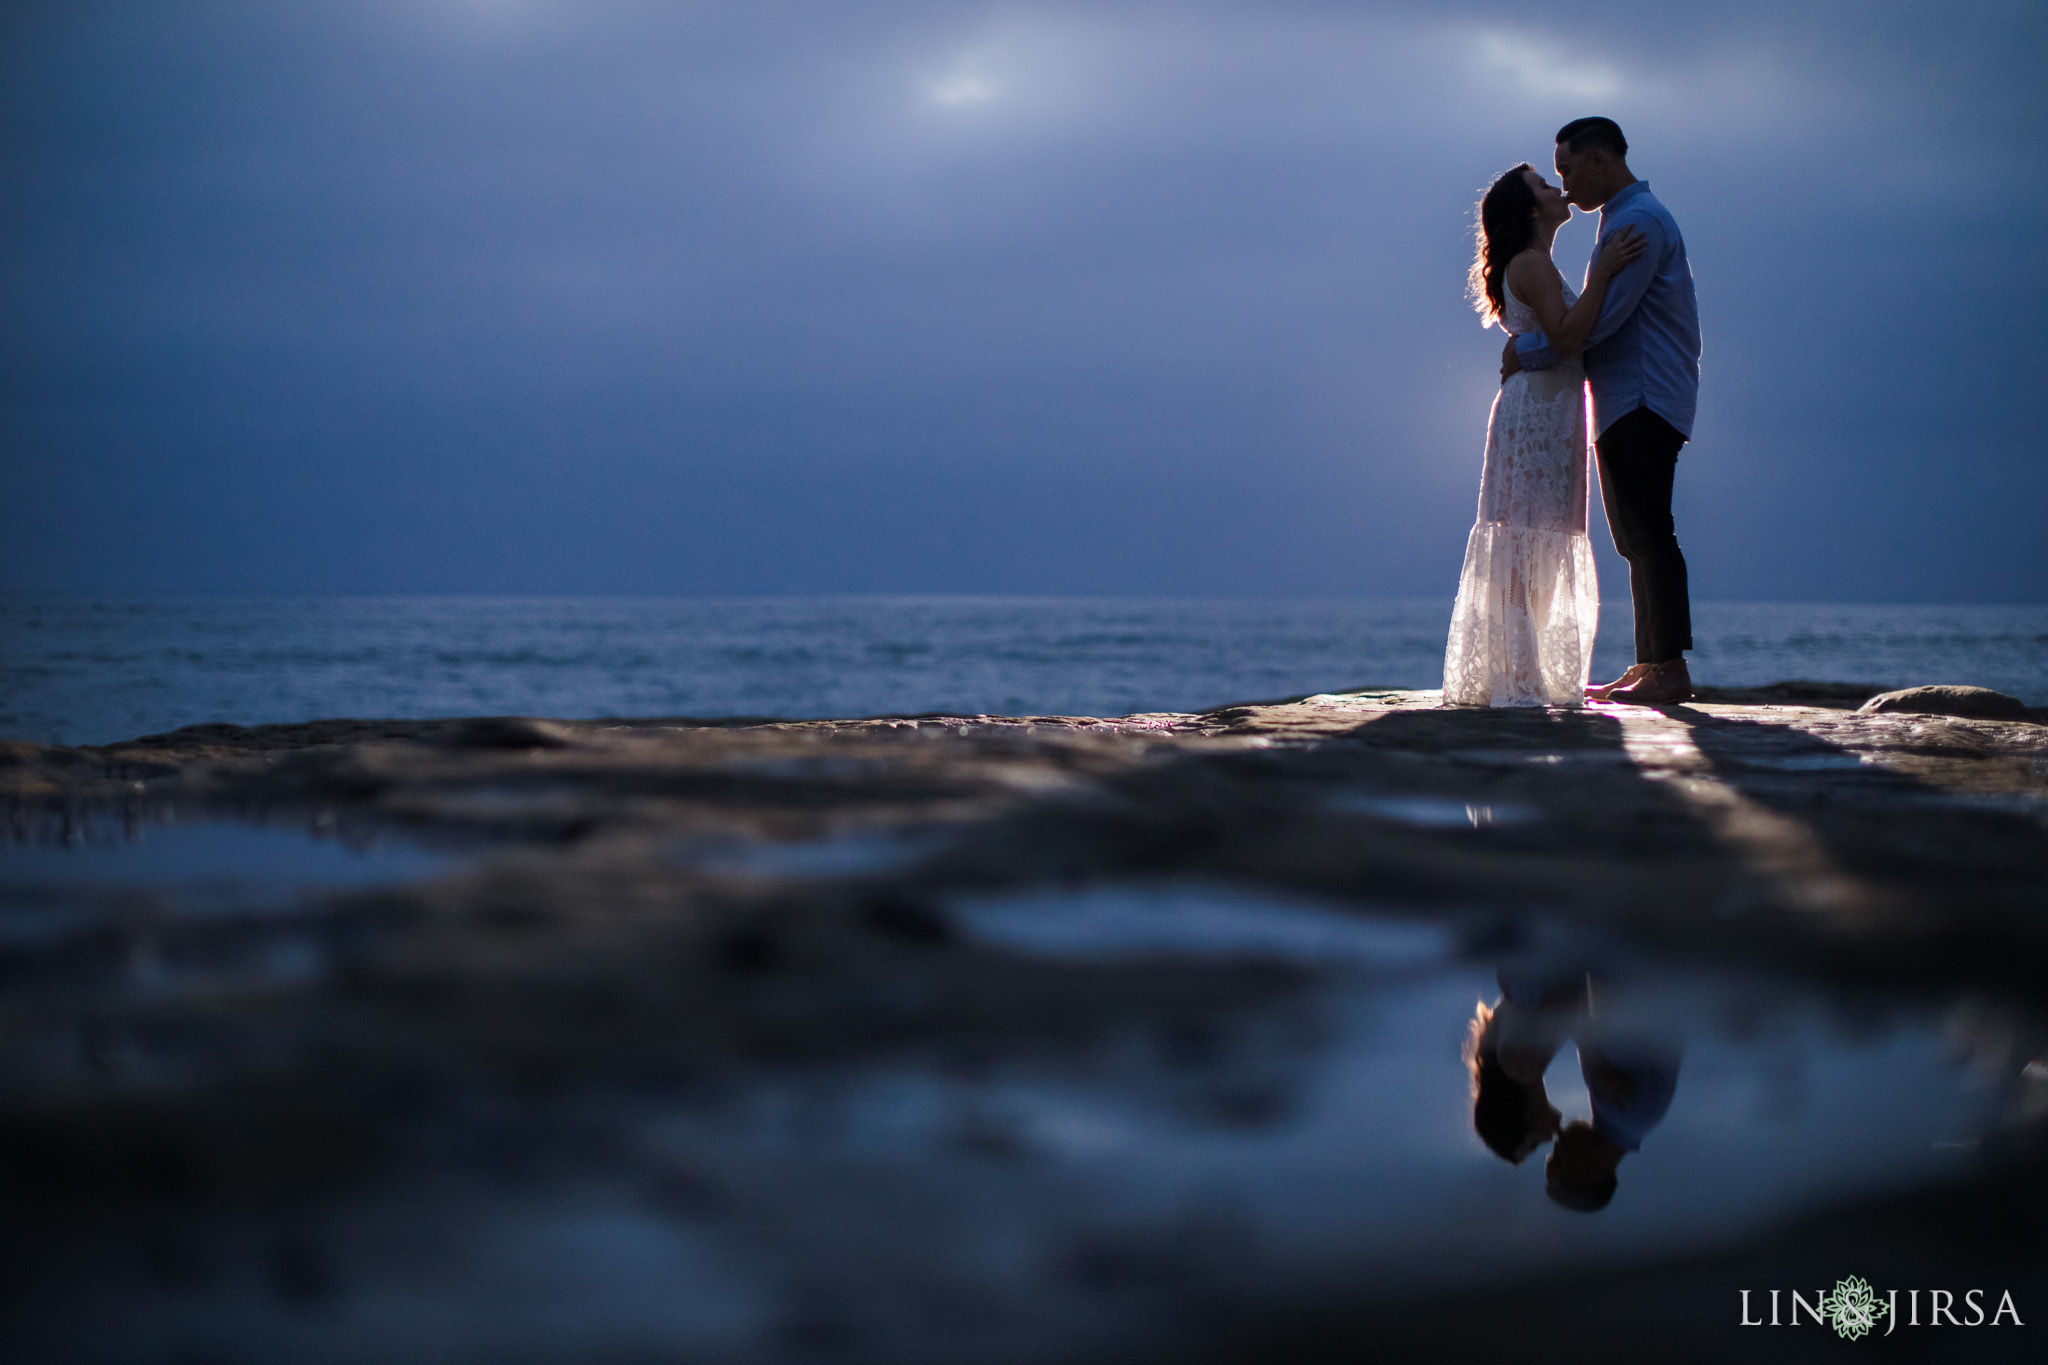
(86, 670)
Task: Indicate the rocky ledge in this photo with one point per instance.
(1770, 821)
(197, 1095)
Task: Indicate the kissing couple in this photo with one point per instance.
(1528, 600)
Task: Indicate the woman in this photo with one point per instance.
(1528, 602)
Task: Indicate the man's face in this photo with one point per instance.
(1573, 171)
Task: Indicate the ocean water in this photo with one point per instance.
(93, 670)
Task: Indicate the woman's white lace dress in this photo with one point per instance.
(1528, 602)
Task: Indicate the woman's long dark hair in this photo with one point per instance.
(1507, 227)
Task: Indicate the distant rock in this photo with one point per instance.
(1950, 699)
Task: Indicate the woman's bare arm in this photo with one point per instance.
(1536, 282)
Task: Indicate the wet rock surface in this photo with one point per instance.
(975, 1038)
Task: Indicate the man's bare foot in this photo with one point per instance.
(1601, 691)
(1665, 684)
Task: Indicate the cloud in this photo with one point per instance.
(1536, 65)
(962, 87)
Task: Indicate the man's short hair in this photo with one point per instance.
(1583, 134)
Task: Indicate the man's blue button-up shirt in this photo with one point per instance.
(1644, 352)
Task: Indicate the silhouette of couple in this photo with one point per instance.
(1630, 1078)
(1528, 605)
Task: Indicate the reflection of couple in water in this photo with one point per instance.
(1630, 1078)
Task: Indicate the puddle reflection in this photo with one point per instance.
(1105, 1188)
(1429, 812)
(210, 860)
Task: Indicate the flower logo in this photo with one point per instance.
(1852, 1308)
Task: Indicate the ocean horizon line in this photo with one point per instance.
(74, 596)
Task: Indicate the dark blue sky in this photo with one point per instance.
(740, 296)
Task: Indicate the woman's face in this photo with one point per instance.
(1551, 206)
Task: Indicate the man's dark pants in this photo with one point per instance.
(1638, 456)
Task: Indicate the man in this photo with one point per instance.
(1629, 1065)
(1630, 1082)
(1643, 365)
